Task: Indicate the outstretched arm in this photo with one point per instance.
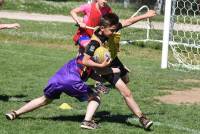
(132, 20)
(9, 26)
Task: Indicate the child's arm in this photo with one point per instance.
(9, 26)
(135, 19)
(89, 52)
(74, 13)
(90, 63)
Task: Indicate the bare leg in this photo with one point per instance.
(91, 108)
(93, 105)
(32, 105)
(126, 93)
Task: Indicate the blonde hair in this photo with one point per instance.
(1, 2)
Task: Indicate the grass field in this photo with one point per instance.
(30, 55)
(64, 6)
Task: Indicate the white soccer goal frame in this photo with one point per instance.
(166, 31)
(185, 59)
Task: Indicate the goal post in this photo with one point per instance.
(181, 35)
(166, 33)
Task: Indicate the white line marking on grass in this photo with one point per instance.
(191, 131)
(41, 56)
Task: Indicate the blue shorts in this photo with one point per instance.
(67, 80)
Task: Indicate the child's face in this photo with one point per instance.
(108, 31)
(102, 3)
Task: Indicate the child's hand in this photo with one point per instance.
(150, 13)
(116, 70)
(82, 25)
(106, 62)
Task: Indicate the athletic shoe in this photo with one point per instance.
(100, 88)
(146, 123)
(11, 116)
(89, 124)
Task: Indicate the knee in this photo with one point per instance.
(45, 100)
(127, 94)
(95, 98)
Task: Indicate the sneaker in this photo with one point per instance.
(89, 124)
(100, 88)
(11, 116)
(146, 123)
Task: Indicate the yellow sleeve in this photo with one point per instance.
(113, 44)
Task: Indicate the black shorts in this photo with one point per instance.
(116, 63)
(113, 78)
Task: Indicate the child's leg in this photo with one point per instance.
(28, 107)
(132, 104)
(115, 79)
(123, 69)
(126, 93)
(32, 105)
(92, 107)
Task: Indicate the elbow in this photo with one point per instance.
(71, 12)
(129, 95)
(83, 62)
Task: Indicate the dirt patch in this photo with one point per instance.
(189, 81)
(191, 96)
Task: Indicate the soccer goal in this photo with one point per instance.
(181, 35)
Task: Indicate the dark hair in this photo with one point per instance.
(109, 20)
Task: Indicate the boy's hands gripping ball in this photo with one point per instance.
(101, 54)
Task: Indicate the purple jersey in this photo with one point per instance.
(69, 80)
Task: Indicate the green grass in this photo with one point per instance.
(64, 7)
(31, 55)
(41, 6)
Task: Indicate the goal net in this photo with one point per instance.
(179, 34)
(184, 38)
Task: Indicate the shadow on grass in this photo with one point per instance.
(102, 116)
(20, 97)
